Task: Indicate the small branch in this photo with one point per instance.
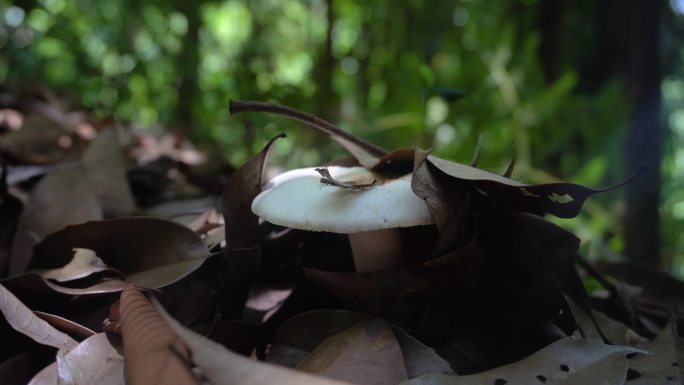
(235, 107)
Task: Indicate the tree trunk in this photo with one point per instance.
(644, 140)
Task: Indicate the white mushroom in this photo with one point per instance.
(370, 216)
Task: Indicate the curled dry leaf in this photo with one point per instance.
(557, 363)
(365, 152)
(73, 329)
(563, 200)
(93, 361)
(329, 180)
(241, 189)
(23, 320)
(153, 353)
(241, 225)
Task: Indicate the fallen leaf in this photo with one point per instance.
(300, 335)
(242, 233)
(367, 353)
(41, 216)
(93, 361)
(242, 187)
(153, 353)
(449, 201)
(105, 170)
(10, 210)
(661, 367)
(149, 252)
(559, 362)
(76, 331)
(222, 367)
(23, 320)
(85, 262)
(563, 200)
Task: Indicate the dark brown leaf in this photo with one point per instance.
(242, 187)
(10, 210)
(150, 252)
(563, 200)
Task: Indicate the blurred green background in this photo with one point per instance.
(580, 91)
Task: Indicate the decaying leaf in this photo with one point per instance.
(105, 170)
(84, 263)
(661, 367)
(563, 200)
(76, 331)
(222, 367)
(242, 187)
(241, 225)
(149, 252)
(449, 202)
(10, 210)
(93, 361)
(366, 353)
(558, 363)
(41, 216)
(153, 353)
(300, 336)
(26, 322)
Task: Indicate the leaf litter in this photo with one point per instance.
(488, 295)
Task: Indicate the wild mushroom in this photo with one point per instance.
(370, 213)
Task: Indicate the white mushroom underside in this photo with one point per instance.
(304, 203)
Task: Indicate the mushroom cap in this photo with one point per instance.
(297, 199)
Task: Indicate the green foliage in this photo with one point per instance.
(389, 72)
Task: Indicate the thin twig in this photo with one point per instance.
(235, 106)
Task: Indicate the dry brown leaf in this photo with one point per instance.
(153, 353)
(77, 203)
(75, 330)
(660, 368)
(23, 320)
(93, 361)
(561, 361)
(84, 263)
(106, 171)
(223, 367)
(149, 252)
(297, 337)
(367, 353)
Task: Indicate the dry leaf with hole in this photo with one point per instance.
(560, 361)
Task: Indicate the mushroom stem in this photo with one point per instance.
(376, 250)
